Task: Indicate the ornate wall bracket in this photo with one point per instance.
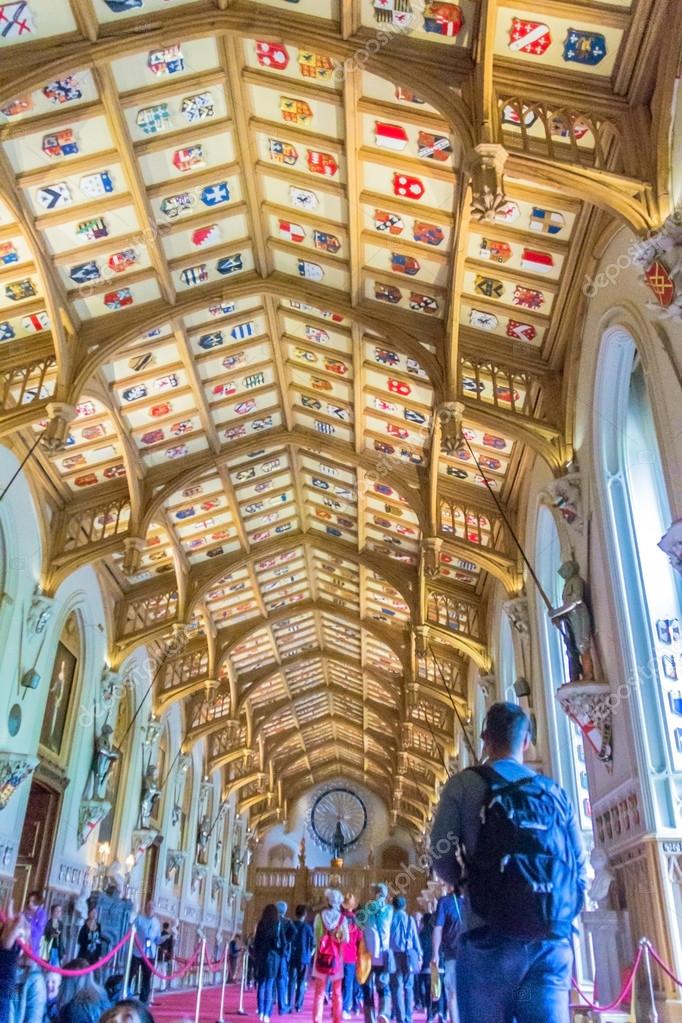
(90, 813)
(450, 415)
(56, 432)
(566, 497)
(589, 704)
(218, 886)
(659, 257)
(142, 839)
(175, 860)
(431, 548)
(14, 768)
(199, 873)
(671, 544)
(40, 612)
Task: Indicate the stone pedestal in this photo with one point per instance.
(609, 947)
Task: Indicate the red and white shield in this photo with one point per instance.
(529, 37)
(659, 280)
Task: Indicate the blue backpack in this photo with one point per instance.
(522, 877)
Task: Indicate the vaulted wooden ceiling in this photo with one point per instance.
(289, 286)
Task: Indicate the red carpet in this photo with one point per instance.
(179, 1006)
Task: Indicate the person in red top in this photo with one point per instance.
(350, 949)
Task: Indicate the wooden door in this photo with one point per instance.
(37, 842)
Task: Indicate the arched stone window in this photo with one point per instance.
(648, 594)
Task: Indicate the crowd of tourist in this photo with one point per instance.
(496, 949)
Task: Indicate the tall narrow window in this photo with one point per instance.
(567, 738)
(649, 601)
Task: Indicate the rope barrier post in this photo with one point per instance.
(129, 960)
(154, 976)
(200, 984)
(245, 969)
(224, 982)
(646, 946)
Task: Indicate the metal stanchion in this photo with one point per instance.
(200, 984)
(129, 959)
(245, 969)
(153, 977)
(224, 982)
(653, 1014)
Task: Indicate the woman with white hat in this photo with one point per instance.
(331, 931)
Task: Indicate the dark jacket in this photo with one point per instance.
(302, 944)
(268, 946)
(8, 978)
(90, 943)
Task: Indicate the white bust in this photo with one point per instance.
(603, 878)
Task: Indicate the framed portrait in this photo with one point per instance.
(58, 699)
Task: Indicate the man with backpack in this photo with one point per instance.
(511, 838)
(302, 945)
(287, 933)
(446, 932)
(405, 960)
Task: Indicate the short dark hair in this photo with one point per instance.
(399, 902)
(143, 1013)
(301, 911)
(506, 726)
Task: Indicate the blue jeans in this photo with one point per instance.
(351, 994)
(531, 984)
(265, 994)
(298, 984)
(283, 1005)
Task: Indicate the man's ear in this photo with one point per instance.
(526, 742)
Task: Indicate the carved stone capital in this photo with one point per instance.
(14, 768)
(517, 612)
(450, 415)
(485, 165)
(90, 813)
(133, 546)
(590, 705)
(431, 548)
(671, 544)
(40, 612)
(56, 432)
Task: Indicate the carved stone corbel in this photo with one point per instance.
(421, 640)
(589, 705)
(198, 876)
(40, 612)
(175, 860)
(90, 813)
(488, 687)
(565, 495)
(142, 839)
(133, 547)
(14, 768)
(485, 165)
(431, 548)
(56, 432)
(450, 415)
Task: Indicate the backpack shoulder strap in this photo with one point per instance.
(494, 779)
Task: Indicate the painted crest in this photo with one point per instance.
(282, 152)
(215, 195)
(401, 264)
(295, 111)
(321, 163)
(521, 331)
(546, 221)
(489, 287)
(188, 158)
(387, 293)
(423, 303)
(495, 251)
(93, 230)
(326, 242)
(173, 205)
(8, 253)
(17, 291)
(15, 20)
(315, 65)
(167, 61)
(532, 37)
(482, 320)
(194, 275)
(537, 262)
(429, 234)
(96, 185)
(230, 264)
(443, 19)
(63, 90)
(303, 199)
(528, 298)
(152, 120)
(390, 136)
(291, 232)
(657, 278)
(84, 272)
(273, 56)
(118, 299)
(311, 271)
(394, 12)
(123, 260)
(433, 147)
(388, 223)
(198, 108)
(61, 143)
(208, 235)
(582, 47)
(17, 106)
(408, 187)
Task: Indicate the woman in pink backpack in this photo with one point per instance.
(331, 931)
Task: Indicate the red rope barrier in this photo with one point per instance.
(666, 969)
(165, 976)
(28, 951)
(621, 997)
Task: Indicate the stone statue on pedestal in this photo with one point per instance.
(203, 833)
(150, 795)
(103, 759)
(574, 621)
(603, 878)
